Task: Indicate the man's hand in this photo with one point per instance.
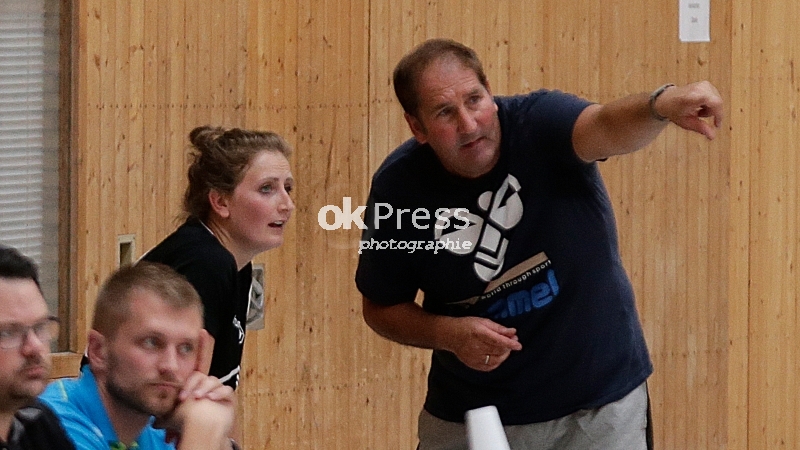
(471, 339)
(205, 351)
(202, 422)
(482, 344)
(199, 386)
(688, 106)
(204, 414)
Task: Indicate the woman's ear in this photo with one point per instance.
(219, 203)
(97, 351)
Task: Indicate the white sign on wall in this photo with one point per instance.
(695, 16)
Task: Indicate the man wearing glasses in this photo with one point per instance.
(26, 330)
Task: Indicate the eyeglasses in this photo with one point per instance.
(13, 336)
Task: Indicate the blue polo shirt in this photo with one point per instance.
(77, 403)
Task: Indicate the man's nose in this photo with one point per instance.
(169, 360)
(31, 343)
(466, 121)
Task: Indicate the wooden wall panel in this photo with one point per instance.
(708, 230)
(742, 134)
(774, 233)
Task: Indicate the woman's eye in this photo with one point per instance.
(266, 189)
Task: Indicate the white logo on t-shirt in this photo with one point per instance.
(238, 326)
(504, 209)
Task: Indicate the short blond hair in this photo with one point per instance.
(113, 304)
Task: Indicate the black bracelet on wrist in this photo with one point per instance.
(652, 102)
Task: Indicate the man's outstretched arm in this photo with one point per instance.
(630, 123)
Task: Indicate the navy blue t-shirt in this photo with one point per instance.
(531, 245)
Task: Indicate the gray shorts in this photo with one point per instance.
(616, 426)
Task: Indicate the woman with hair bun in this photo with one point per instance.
(236, 206)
